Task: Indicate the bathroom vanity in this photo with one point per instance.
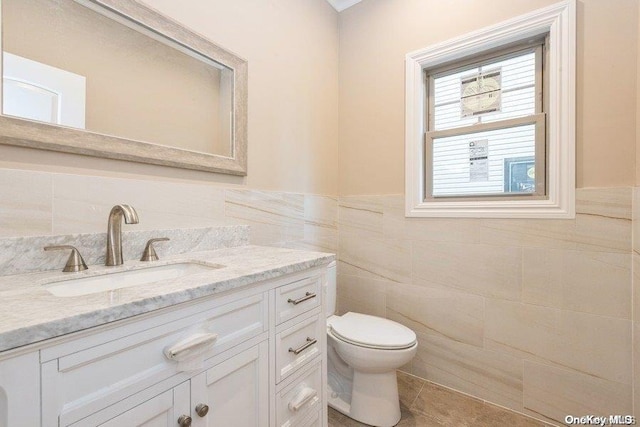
(243, 344)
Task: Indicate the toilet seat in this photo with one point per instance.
(371, 332)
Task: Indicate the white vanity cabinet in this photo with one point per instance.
(235, 392)
(20, 390)
(300, 353)
(159, 411)
(253, 357)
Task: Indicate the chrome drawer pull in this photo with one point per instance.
(306, 296)
(309, 343)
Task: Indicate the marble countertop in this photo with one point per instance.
(30, 313)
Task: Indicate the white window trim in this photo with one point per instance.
(559, 20)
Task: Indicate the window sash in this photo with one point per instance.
(539, 120)
(482, 61)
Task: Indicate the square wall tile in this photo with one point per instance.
(397, 226)
(485, 374)
(361, 215)
(25, 203)
(586, 281)
(555, 392)
(527, 233)
(361, 295)
(486, 270)
(635, 257)
(594, 345)
(636, 220)
(604, 234)
(435, 311)
(382, 259)
(610, 202)
(274, 217)
(320, 223)
(604, 219)
(82, 203)
(636, 369)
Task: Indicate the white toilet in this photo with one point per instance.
(363, 355)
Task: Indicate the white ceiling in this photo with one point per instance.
(341, 5)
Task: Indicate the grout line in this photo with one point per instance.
(418, 394)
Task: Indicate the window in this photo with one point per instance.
(491, 121)
(482, 118)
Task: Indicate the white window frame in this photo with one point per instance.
(559, 21)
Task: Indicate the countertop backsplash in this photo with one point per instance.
(26, 254)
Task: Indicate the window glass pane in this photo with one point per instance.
(491, 162)
(517, 71)
(517, 103)
(516, 97)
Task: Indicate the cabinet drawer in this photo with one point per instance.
(84, 382)
(298, 345)
(297, 297)
(296, 403)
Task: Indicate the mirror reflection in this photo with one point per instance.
(66, 64)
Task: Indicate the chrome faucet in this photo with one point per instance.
(114, 232)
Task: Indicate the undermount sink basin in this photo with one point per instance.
(74, 287)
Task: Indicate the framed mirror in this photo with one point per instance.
(116, 79)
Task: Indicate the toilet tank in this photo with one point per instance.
(330, 289)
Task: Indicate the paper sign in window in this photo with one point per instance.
(479, 160)
(481, 93)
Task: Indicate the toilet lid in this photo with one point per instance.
(372, 331)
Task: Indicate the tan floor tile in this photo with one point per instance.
(336, 419)
(436, 406)
(496, 416)
(409, 419)
(416, 419)
(408, 388)
(447, 406)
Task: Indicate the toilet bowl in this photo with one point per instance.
(363, 355)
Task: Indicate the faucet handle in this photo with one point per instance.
(149, 253)
(75, 261)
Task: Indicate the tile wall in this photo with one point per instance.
(40, 203)
(533, 315)
(636, 300)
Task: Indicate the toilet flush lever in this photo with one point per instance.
(306, 296)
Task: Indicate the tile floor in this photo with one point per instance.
(425, 404)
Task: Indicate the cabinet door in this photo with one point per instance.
(236, 391)
(161, 410)
(156, 412)
(20, 391)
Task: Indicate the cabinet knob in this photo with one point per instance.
(184, 421)
(202, 410)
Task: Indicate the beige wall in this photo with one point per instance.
(292, 50)
(375, 35)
